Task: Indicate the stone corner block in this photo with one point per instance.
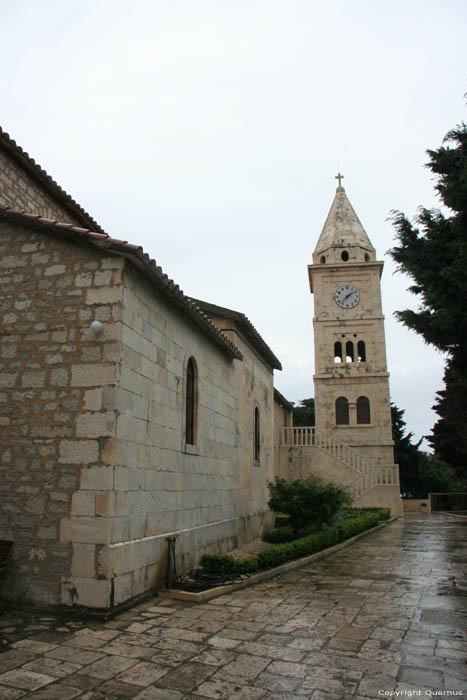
(78, 451)
(95, 424)
(104, 295)
(97, 478)
(86, 591)
(93, 375)
(84, 530)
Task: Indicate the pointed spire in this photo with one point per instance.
(342, 226)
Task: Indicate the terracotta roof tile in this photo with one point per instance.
(34, 170)
(248, 328)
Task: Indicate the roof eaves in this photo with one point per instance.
(248, 328)
(282, 400)
(141, 259)
(35, 171)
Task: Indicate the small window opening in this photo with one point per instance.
(342, 411)
(190, 402)
(322, 259)
(367, 257)
(361, 351)
(344, 255)
(257, 436)
(349, 356)
(337, 352)
(363, 410)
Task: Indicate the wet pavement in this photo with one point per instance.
(385, 617)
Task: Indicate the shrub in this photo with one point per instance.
(226, 564)
(286, 534)
(302, 547)
(278, 535)
(307, 503)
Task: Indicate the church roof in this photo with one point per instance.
(247, 328)
(39, 175)
(138, 257)
(282, 401)
(342, 226)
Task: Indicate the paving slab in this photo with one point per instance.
(387, 614)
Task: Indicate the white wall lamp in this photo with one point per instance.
(96, 327)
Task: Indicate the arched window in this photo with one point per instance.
(349, 356)
(363, 410)
(322, 259)
(190, 410)
(257, 436)
(338, 352)
(344, 255)
(361, 351)
(342, 411)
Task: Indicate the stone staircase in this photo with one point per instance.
(367, 475)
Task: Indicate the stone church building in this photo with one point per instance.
(131, 412)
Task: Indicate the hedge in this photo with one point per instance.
(282, 553)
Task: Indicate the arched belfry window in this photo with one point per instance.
(349, 356)
(257, 436)
(190, 399)
(342, 411)
(338, 352)
(361, 351)
(363, 410)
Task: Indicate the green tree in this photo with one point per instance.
(308, 502)
(448, 434)
(304, 414)
(433, 252)
(420, 473)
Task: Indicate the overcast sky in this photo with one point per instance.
(209, 132)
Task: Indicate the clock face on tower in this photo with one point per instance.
(347, 296)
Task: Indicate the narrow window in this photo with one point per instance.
(344, 255)
(338, 352)
(342, 411)
(363, 410)
(349, 357)
(257, 436)
(361, 351)
(322, 259)
(190, 402)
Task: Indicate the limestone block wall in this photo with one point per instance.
(54, 379)
(95, 468)
(209, 494)
(282, 419)
(302, 462)
(20, 192)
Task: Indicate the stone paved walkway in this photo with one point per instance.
(386, 614)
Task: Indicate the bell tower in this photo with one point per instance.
(351, 377)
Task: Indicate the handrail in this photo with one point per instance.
(371, 475)
(311, 436)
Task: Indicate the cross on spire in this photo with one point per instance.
(340, 178)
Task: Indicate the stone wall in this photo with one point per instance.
(208, 494)
(96, 471)
(416, 505)
(54, 375)
(20, 192)
(283, 418)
